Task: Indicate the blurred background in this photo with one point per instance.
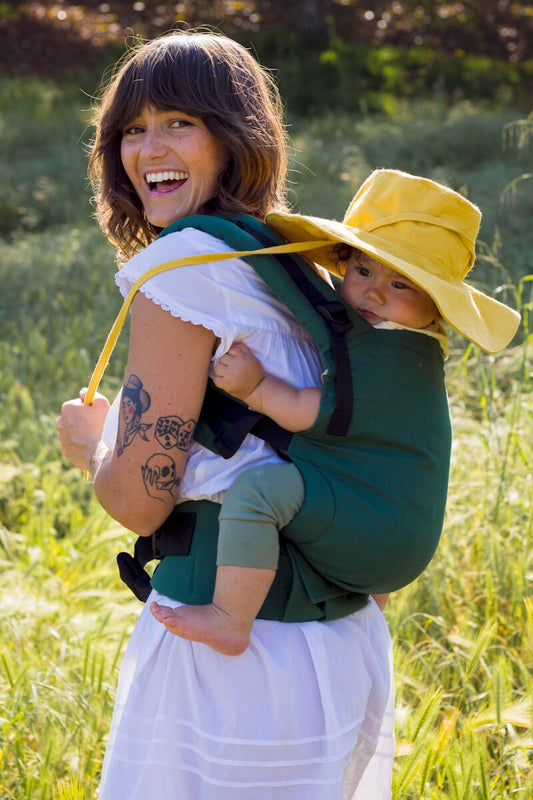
(336, 54)
(435, 87)
(441, 89)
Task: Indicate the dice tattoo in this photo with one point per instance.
(172, 432)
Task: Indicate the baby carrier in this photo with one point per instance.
(375, 463)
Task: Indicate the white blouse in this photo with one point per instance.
(230, 299)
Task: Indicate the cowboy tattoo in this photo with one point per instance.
(135, 401)
(173, 431)
(160, 476)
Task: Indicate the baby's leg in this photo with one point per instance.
(260, 502)
(224, 624)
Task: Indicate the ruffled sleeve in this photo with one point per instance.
(227, 297)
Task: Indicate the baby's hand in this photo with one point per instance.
(238, 372)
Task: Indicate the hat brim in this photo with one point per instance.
(483, 320)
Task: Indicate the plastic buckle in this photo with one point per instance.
(335, 315)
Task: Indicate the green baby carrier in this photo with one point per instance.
(375, 463)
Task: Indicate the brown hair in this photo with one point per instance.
(342, 254)
(207, 76)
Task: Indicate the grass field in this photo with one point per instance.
(463, 632)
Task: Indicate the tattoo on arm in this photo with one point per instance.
(135, 401)
(159, 476)
(173, 431)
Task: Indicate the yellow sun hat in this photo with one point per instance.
(423, 230)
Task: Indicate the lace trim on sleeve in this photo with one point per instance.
(185, 315)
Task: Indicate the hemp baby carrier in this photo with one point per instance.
(375, 463)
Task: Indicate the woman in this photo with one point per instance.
(191, 124)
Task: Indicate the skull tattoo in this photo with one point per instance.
(159, 475)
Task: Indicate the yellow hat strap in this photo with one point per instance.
(187, 261)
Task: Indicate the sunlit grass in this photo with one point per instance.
(464, 629)
(63, 621)
(463, 632)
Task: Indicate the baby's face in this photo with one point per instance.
(378, 293)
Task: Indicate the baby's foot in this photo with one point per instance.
(209, 624)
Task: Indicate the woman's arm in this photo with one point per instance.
(381, 600)
(138, 480)
(240, 374)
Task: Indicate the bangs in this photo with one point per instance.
(180, 76)
(208, 77)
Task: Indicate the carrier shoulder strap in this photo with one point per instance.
(297, 285)
(185, 261)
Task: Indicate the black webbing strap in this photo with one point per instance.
(230, 422)
(342, 413)
(173, 538)
(335, 315)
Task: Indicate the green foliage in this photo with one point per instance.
(463, 632)
(63, 625)
(56, 304)
(42, 166)
(351, 77)
(345, 55)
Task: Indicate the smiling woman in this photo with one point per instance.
(159, 144)
(194, 85)
(191, 124)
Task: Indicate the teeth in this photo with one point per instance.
(157, 177)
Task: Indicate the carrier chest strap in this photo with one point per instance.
(219, 408)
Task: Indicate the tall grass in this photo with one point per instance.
(463, 632)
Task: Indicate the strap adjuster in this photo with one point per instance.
(335, 314)
(156, 545)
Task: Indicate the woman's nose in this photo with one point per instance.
(153, 142)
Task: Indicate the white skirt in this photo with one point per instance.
(305, 713)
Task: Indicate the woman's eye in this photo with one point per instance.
(180, 123)
(129, 130)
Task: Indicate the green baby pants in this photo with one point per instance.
(260, 502)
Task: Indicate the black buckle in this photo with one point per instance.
(335, 314)
(173, 538)
(156, 544)
(134, 576)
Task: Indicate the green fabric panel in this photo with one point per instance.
(191, 579)
(363, 528)
(387, 522)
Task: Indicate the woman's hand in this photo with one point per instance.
(80, 428)
(238, 372)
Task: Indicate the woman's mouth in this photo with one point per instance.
(165, 181)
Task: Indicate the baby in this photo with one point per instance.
(386, 280)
